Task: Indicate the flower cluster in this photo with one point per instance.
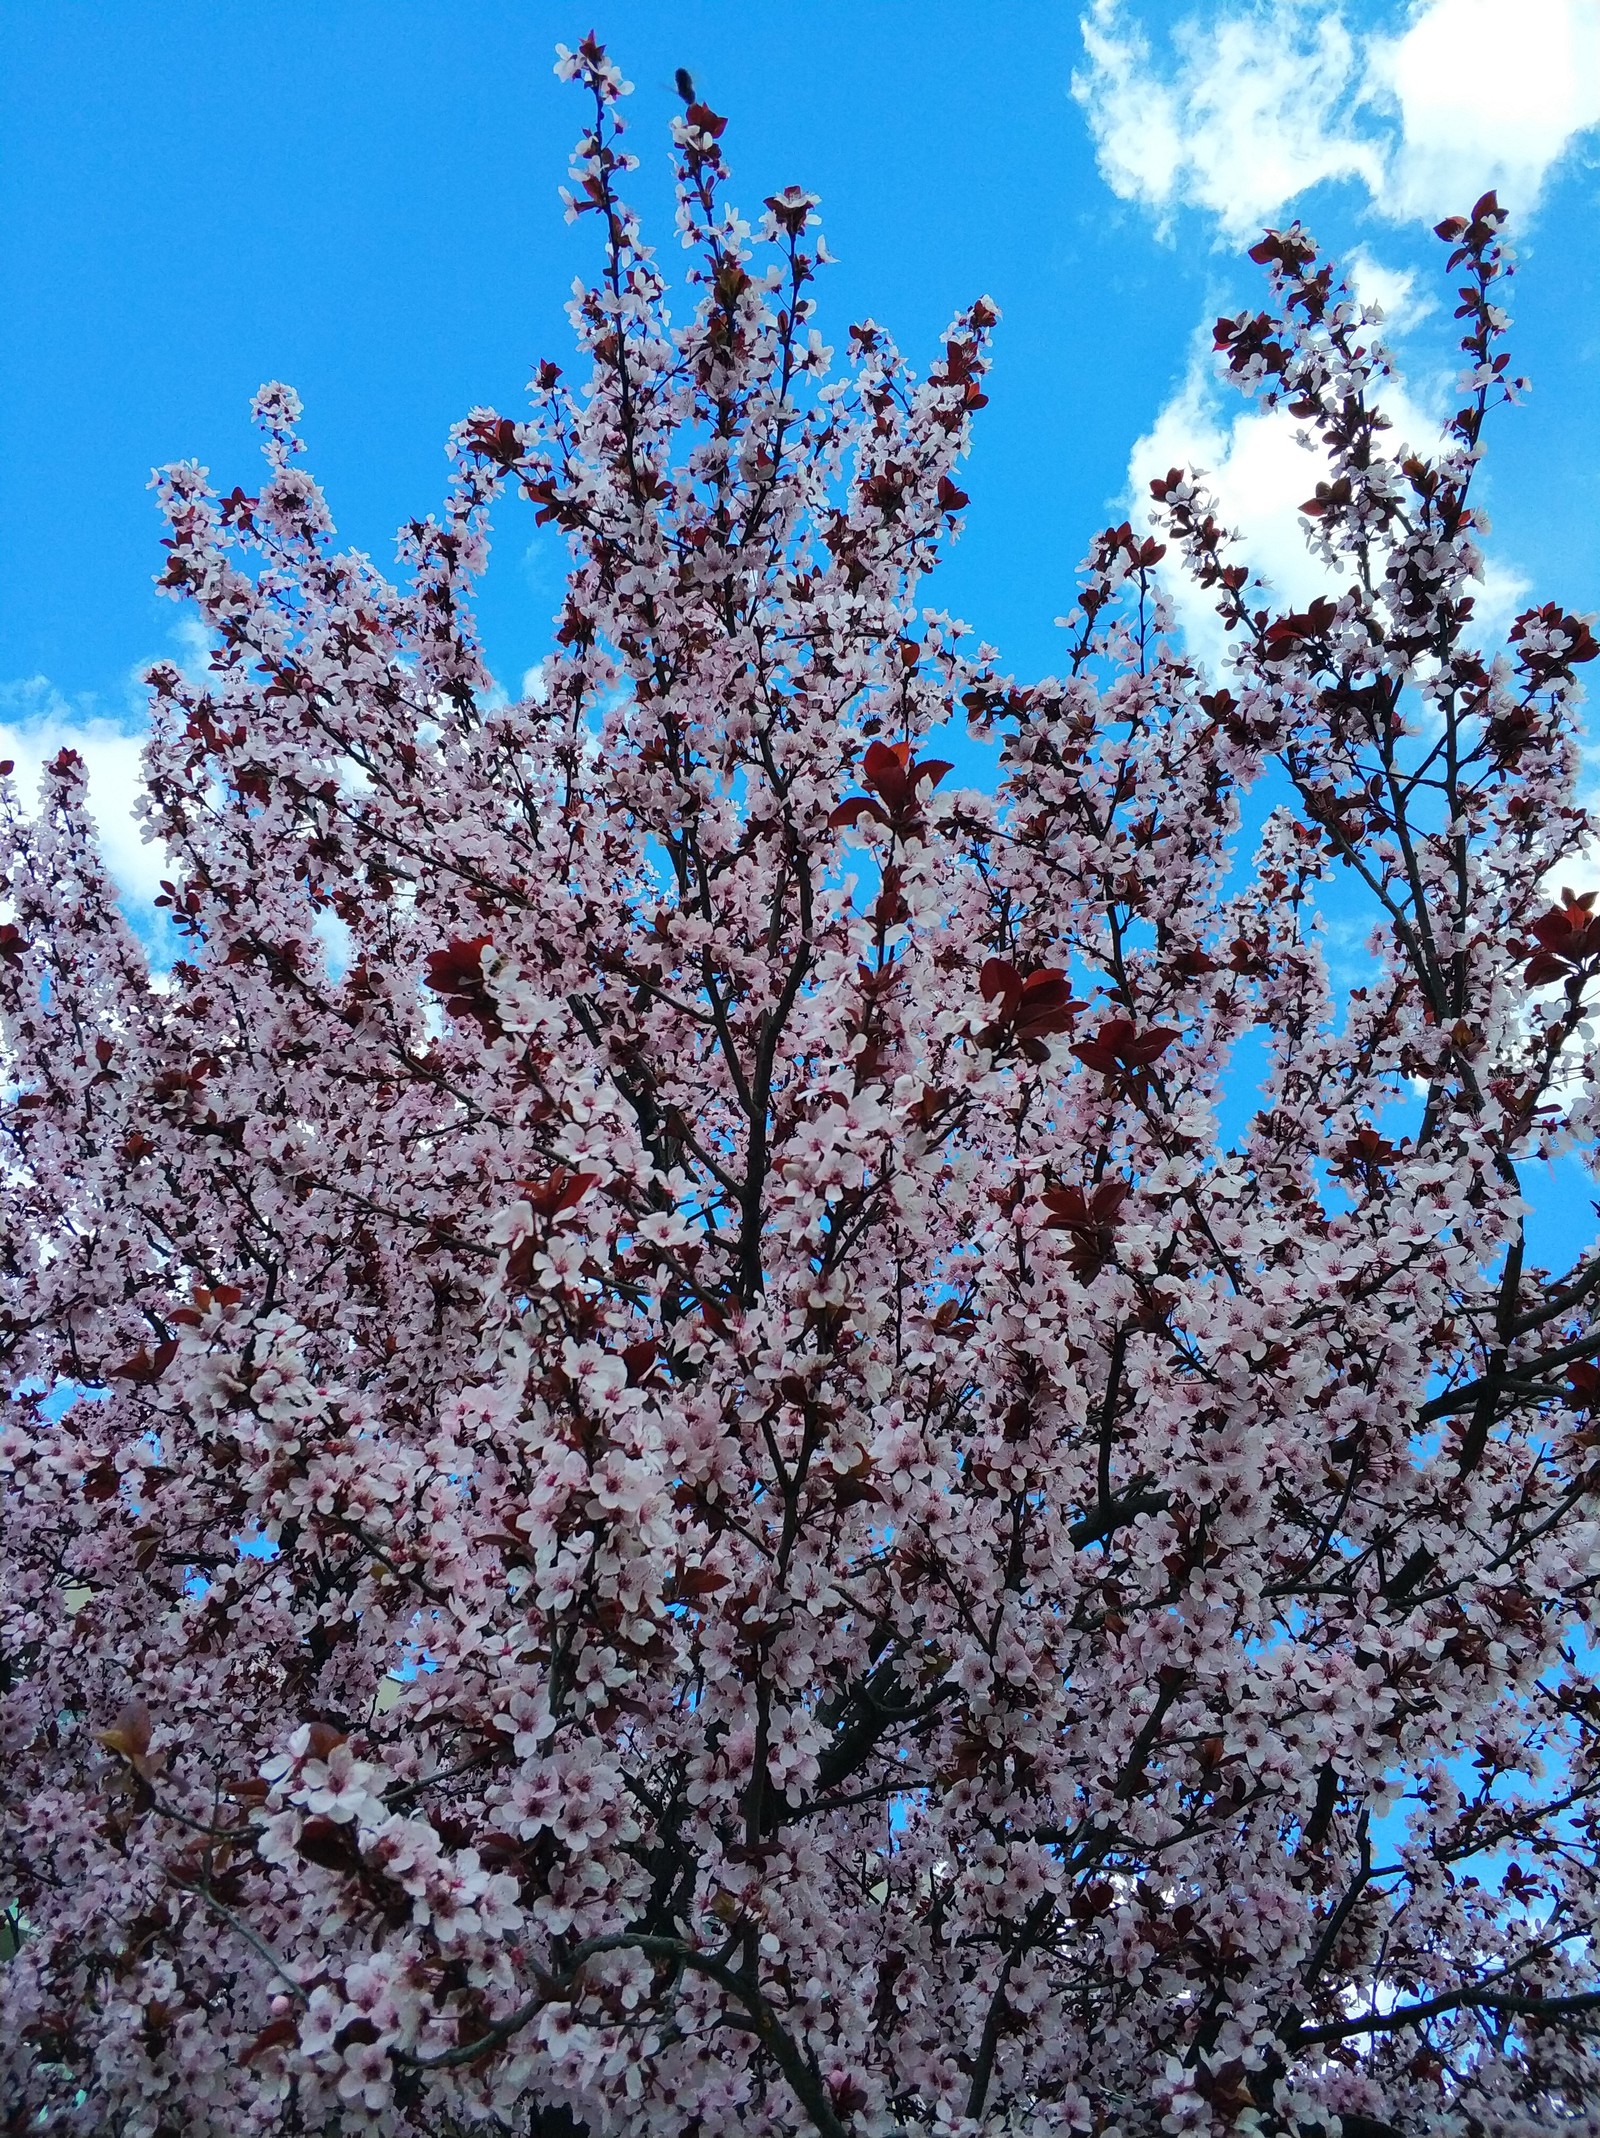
(691, 1485)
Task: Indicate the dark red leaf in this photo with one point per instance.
(689, 1583)
(884, 770)
(706, 121)
(328, 1844)
(277, 2034)
(1089, 1217)
(1000, 982)
(1029, 1010)
(849, 814)
(1568, 937)
(103, 1482)
(888, 770)
(641, 1361)
(146, 1367)
(129, 1735)
(1120, 1045)
(456, 972)
(560, 1191)
(1583, 1385)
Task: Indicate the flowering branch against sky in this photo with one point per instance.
(1373, 120)
(366, 204)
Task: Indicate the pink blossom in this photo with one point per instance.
(702, 1486)
(339, 1787)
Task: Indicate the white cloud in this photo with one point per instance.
(1253, 462)
(37, 722)
(1487, 95)
(1259, 475)
(1247, 118)
(1388, 292)
(1255, 104)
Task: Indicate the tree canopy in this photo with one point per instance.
(664, 1470)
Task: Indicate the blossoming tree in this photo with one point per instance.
(661, 1473)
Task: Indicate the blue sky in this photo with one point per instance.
(361, 198)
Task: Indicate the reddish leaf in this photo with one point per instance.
(1089, 1216)
(1045, 1004)
(103, 1482)
(845, 2093)
(1583, 1385)
(849, 814)
(1288, 634)
(1568, 937)
(1081, 1210)
(129, 1735)
(953, 1320)
(689, 1583)
(706, 121)
(496, 439)
(456, 972)
(887, 768)
(560, 1191)
(852, 1491)
(1000, 982)
(277, 2034)
(641, 1361)
(328, 1844)
(146, 1367)
(1120, 1045)
(1030, 1009)
(1365, 1155)
(1563, 641)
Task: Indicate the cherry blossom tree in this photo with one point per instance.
(662, 1472)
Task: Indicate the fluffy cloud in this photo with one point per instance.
(1260, 469)
(1259, 474)
(1253, 105)
(1247, 117)
(36, 722)
(1486, 96)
